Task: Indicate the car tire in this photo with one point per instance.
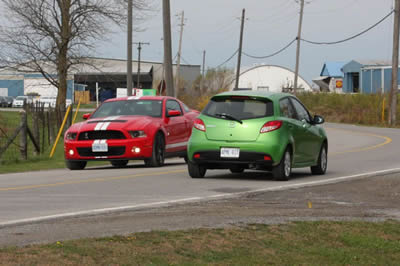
(158, 155)
(283, 170)
(75, 165)
(236, 170)
(322, 165)
(195, 170)
(119, 163)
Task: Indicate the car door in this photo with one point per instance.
(289, 116)
(309, 139)
(176, 127)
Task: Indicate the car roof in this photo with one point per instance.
(141, 98)
(251, 93)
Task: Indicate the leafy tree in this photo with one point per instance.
(52, 36)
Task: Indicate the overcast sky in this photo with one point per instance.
(213, 25)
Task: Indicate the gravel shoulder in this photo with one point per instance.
(370, 199)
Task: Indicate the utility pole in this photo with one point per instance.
(167, 48)
(296, 73)
(239, 51)
(129, 53)
(178, 62)
(202, 72)
(139, 44)
(395, 65)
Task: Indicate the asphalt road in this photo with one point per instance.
(354, 152)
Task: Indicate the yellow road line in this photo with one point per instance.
(387, 141)
(92, 180)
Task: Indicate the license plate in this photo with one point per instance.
(230, 152)
(100, 147)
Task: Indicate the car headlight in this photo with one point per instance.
(71, 135)
(137, 134)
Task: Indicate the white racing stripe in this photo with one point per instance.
(104, 125)
(194, 199)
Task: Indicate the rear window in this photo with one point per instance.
(239, 107)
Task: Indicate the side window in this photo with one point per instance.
(173, 105)
(302, 112)
(287, 108)
(187, 109)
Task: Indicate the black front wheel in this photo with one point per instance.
(75, 165)
(283, 170)
(195, 170)
(322, 165)
(158, 155)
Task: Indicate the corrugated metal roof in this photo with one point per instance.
(110, 66)
(333, 69)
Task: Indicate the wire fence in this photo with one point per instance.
(26, 134)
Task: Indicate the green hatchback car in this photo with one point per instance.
(241, 130)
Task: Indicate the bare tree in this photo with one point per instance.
(51, 36)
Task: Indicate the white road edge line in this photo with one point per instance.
(193, 199)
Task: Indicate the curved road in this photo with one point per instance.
(354, 152)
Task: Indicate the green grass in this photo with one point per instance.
(361, 109)
(300, 243)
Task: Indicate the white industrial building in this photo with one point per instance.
(269, 78)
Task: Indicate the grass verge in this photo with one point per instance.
(300, 243)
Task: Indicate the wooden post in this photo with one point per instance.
(35, 125)
(23, 138)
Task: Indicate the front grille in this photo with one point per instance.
(101, 134)
(112, 151)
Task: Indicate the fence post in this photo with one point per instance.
(35, 125)
(23, 138)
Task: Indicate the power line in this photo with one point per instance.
(227, 60)
(354, 36)
(273, 54)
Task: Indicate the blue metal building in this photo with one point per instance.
(16, 84)
(368, 77)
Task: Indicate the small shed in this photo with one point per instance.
(331, 77)
(367, 76)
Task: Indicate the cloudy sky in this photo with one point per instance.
(213, 25)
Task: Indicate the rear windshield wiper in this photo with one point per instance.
(230, 117)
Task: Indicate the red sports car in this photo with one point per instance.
(148, 128)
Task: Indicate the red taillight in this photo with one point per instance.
(271, 126)
(196, 156)
(267, 158)
(199, 124)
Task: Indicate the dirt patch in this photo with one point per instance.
(370, 199)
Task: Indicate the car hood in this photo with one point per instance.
(115, 123)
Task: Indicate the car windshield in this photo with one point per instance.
(129, 107)
(239, 108)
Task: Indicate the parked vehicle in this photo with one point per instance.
(241, 130)
(9, 100)
(48, 101)
(20, 100)
(3, 101)
(148, 128)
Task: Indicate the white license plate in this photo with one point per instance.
(230, 152)
(100, 147)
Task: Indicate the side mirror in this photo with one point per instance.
(318, 120)
(86, 116)
(174, 113)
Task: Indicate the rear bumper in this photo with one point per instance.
(212, 160)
